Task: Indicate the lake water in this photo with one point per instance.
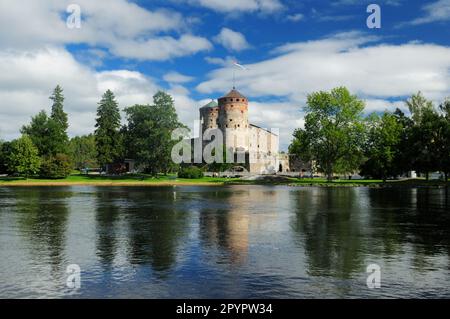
(224, 242)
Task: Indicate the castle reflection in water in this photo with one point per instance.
(241, 241)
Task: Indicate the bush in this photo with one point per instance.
(192, 172)
(56, 167)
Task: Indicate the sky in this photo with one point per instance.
(186, 48)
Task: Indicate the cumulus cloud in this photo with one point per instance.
(27, 79)
(378, 70)
(232, 40)
(381, 74)
(124, 28)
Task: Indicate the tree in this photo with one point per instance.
(384, 136)
(425, 134)
(23, 158)
(38, 131)
(333, 133)
(82, 151)
(224, 166)
(403, 161)
(108, 138)
(148, 133)
(49, 134)
(5, 150)
(60, 122)
(56, 167)
(418, 105)
(444, 142)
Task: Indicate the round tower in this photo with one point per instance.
(209, 116)
(233, 120)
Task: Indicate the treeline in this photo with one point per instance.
(340, 140)
(45, 150)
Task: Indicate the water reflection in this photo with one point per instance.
(107, 218)
(328, 226)
(243, 241)
(156, 227)
(414, 219)
(226, 227)
(42, 218)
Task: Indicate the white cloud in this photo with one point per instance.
(381, 74)
(220, 61)
(239, 6)
(123, 27)
(175, 77)
(27, 79)
(232, 40)
(161, 48)
(434, 12)
(380, 70)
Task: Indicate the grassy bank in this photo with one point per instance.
(172, 180)
(97, 180)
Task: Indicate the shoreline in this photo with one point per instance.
(166, 183)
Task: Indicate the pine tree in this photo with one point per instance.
(58, 129)
(108, 138)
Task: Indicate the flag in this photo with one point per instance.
(235, 63)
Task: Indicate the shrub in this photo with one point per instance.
(56, 167)
(192, 172)
(22, 157)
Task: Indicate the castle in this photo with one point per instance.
(260, 146)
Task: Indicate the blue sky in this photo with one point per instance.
(185, 47)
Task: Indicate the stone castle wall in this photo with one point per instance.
(231, 117)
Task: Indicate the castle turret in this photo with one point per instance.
(233, 120)
(209, 116)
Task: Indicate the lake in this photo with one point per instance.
(224, 242)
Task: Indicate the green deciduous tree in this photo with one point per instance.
(108, 137)
(444, 142)
(403, 161)
(83, 152)
(383, 139)
(56, 167)
(334, 132)
(39, 132)
(425, 134)
(224, 165)
(148, 133)
(23, 158)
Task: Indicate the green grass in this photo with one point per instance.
(98, 179)
(140, 179)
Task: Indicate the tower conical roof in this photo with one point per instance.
(210, 105)
(235, 93)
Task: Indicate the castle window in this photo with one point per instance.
(239, 125)
(237, 100)
(231, 120)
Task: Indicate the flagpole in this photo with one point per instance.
(234, 78)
